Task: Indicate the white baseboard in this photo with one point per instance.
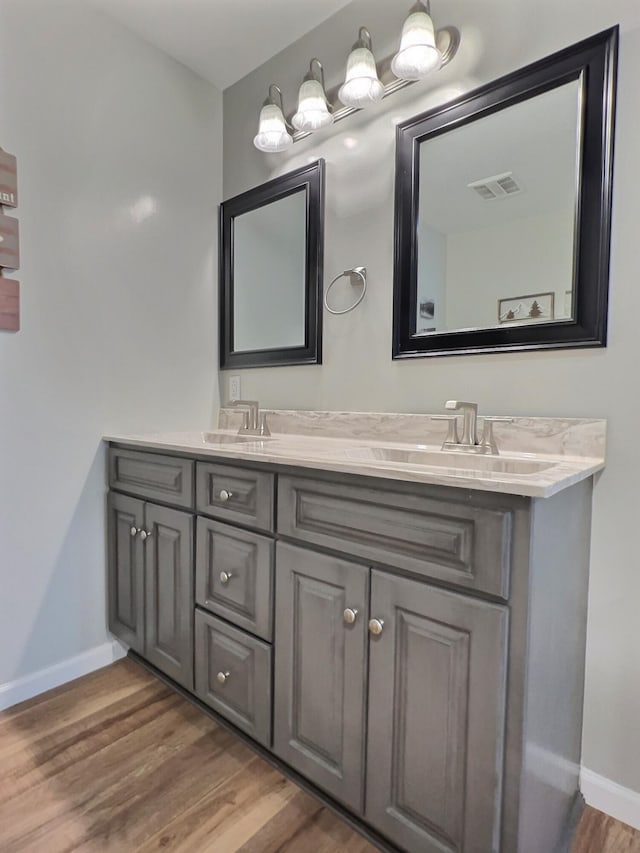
(610, 798)
(32, 685)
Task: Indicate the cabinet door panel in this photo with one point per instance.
(436, 717)
(169, 592)
(125, 570)
(320, 670)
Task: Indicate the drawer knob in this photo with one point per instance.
(146, 534)
(224, 495)
(225, 577)
(376, 626)
(133, 531)
(222, 677)
(350, 615)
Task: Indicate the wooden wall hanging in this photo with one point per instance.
(9, 244)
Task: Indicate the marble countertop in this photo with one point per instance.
(385, 446)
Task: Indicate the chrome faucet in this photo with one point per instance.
(469, 423)
(469, 442)
(254, 421)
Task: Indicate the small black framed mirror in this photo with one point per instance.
(271, 268)
(503, 211)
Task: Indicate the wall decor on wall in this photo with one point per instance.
(9, 304)
(8, 179)
(535, 308)
(9, 244)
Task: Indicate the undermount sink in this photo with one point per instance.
(440, 459)
(226, 438)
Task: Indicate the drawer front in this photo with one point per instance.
(466, 545)
(233, 675)
(149, 475)
(235, 494)
(234, 575)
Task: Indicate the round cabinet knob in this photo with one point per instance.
(225, 577)
(225, 495)
(133, 531)
(376, 626)
(222, 677)
(143, 535)
(350, 615)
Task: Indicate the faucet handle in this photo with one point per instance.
(488, 440)
(452, 433)
(263, 427)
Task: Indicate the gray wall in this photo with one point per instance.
(358, 373)
(119, 160)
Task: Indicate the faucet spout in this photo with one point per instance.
(470, 420)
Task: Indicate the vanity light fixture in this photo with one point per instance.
(418, 55)
(273, 133)
(423, 50)
(313, 107)
(362, 85)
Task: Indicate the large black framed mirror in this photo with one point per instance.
(271, 266)
(503, 211)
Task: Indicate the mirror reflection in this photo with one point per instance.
(496, 232)
(269, 263)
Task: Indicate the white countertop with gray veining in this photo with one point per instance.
(538, 456)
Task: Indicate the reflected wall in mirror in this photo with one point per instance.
(271, 247)
(503, 211)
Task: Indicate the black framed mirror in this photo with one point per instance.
(503, 211)
(271, 265)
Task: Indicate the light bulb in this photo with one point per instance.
(418, 55)
(273, 135)
(313, 112)
(362, 86)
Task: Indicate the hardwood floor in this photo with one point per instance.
(116, 761)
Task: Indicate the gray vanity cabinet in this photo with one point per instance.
(321, 670)
(150, 582)
(437, 680)
(126, 570)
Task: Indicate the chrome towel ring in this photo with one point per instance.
(361, 272)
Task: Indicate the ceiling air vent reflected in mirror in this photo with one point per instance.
(498, 186)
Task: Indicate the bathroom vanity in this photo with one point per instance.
(407, 637)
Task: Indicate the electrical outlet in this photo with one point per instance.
(234, 387)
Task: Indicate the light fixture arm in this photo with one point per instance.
(364, 39)
(315, 75)
(275, 99)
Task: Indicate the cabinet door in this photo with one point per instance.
(320, 670)
(125, 570)
(436, 717)
(169, 592)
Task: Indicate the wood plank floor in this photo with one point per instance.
(116, 761)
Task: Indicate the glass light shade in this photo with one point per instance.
(418, 55)
(362, 86)
(313, 112)
(272, 135)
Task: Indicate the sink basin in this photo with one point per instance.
(226, 438)
(439, 459)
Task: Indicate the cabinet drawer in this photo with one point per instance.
(235, 494)
(149, 475)
(234, 575)
(460, 543)
(233, 675)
